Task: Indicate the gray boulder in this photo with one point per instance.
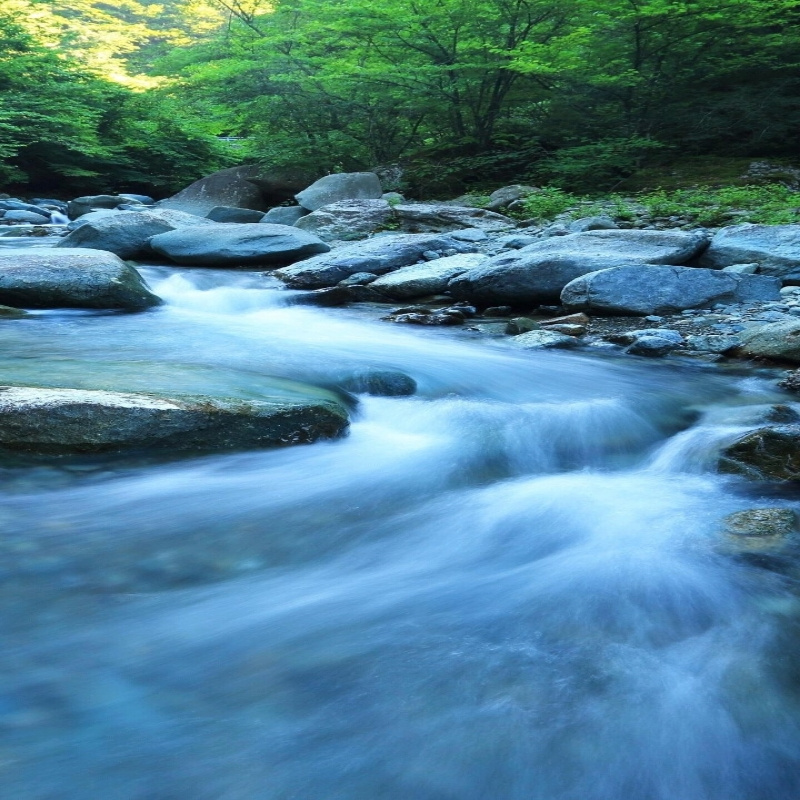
(34, 218)
(436, 218)
(775, 248)
(230, 214)
(537, 273)
(83, 205)
(220, 245)
(144, 199)
(378, 256)
(70, 278)
(127, 234)
(779, 341)
(647, 289)
(598, 223)
(347, 219)
(424, 279)
(284, 215)
(61, 421)
(341, 186)
(91, 216)
(17, 205)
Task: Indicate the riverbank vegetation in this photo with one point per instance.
(463, 94)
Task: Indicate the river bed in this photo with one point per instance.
(509, 586)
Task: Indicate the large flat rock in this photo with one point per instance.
(224, 245)
(51, 277)
(537, 273)
(127, 233)
(648, 289)
(347, 219)
(423, 279)
(62, 421)
(775, 248)
(378, 256)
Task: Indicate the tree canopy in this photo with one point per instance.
(575, 92)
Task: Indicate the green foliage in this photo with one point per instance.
(548, 203)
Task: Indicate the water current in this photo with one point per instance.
(509, 586)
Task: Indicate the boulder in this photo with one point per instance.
(761, 524)
(249, 186)
(91, 216)
(229, 214)
(347, 219)
(506, 195)
(766, 454)
(33, 218)
(598, 223)
(221, 245)
(83, 205)
(775, 248)
(70, 278)
(647, 289)
(537, 273)
(780, 341)
(284, 215)
(18, 205)
(341, 186)
(424, 279)
(436, 218)
(377, 256)
(61, 421)
(144, 199)
(127, 234)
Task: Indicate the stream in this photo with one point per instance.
(510, 586)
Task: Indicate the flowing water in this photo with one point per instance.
(510, 586)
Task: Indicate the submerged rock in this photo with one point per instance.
(46, 277)
(57, 421)
(380, 382)
(222, 245)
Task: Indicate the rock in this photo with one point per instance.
(652, 346)
(284, 215)
(380, 382)
(713, 342)
(40, 218)
(358, 279)
(377, 256)
(325, 298)
(759, 524)
(498, 311)
(420, 280)
(229, 214)
(341, 186)
(83, 205)
(780, 341)
(742, 269)
(506, 195)
(567, 329)
(347, 219)
(249, 186)
(791, 381)
(59, 421)
(70, 278)
(599, 223)
(775, 248)
(645, 289)
(144, 199)
(567, 319)
(518, 325)
(127, 234)
(766, 454)
(221, 245)
(538, 340)
(18, 205)
(393, 198)
(470, 235)
(7, 312)
(91, 216)
(435, 218)
(425, 316)
(540, 271)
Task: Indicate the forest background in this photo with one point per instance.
(461, 94)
